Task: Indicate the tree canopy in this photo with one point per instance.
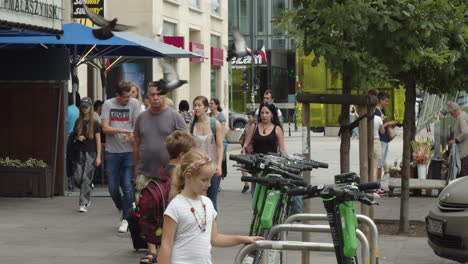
(414, 43)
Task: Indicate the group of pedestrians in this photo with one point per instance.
(140, 141)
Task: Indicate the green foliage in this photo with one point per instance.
(15, 163)
(397, 41)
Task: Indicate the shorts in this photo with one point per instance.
(377, 150)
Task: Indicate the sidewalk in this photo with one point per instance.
(49, 231)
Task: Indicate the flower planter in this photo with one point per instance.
(422, 171)
(25, 182)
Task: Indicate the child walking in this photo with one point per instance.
(177, 144)
(87, 135)
(190, 228)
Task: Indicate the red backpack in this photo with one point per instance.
(153, 202)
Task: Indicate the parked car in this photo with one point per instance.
(237, 120)
(446, 223)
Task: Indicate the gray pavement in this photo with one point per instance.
(52, 231)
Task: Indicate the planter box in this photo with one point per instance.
(26, 182)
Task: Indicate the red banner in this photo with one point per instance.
(197, 48)
(174, 41)
(217, 57)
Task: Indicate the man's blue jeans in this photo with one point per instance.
(212, 192)
(119, 168)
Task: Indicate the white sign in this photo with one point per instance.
(43, 13)
(246, 60)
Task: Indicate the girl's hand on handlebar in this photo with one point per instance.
(251, 239)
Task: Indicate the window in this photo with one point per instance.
(215, 8)
(215, 41)
(194, 4)
(278, 44)
(243, 17)
(169, 29)
(233, 16)
(214, 82)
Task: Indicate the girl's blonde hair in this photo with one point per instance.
(132, 84)
(80, 123)
(191, 162)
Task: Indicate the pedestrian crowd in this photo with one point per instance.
(163, 166)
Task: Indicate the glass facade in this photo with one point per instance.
(278, 74)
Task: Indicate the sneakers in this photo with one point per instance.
(83, 209)
(123, 226)
(246, 188)
(382, 192)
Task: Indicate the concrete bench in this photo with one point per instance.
(417, 184)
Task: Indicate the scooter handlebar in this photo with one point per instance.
(243, 159)
(369, 186)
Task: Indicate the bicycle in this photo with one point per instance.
(338, 200)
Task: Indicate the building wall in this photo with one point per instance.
(195, 25)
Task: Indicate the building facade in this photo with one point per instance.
(278, 72)
(196, 25)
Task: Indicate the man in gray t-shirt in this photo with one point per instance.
(118, 119)
(151, 130)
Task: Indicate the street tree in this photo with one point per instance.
(422, 45)
(413, 43)
(332, 30)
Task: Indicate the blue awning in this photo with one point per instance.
(80, 40)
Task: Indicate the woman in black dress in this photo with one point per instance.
(267, 135)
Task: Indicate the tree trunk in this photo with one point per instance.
(408, 128)
(345, 134)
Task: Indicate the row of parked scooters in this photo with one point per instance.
(278, 182)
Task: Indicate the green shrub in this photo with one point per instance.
(16, 163)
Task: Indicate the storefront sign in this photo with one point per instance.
(217, 57)
(197, 48)
(97, 6)
(174, 41)
(246, 60)
(42, 13)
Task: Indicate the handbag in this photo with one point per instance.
(249, 149)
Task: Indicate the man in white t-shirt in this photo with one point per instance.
(268, 97)
(379, 128)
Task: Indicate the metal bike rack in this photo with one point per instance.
(318, 229)
(374, 233)
(298, 245)
(283, 245)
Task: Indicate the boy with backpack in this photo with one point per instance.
(154, 198)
